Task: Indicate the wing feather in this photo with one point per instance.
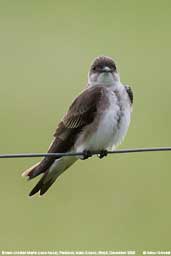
(81, 113)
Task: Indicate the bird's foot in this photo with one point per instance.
(102, 154)
(86, 154)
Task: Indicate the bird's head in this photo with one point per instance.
(103, 72)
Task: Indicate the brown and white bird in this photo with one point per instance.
(97, 120)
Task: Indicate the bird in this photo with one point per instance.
(97, 120)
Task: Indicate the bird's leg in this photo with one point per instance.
(86, 154)
(102, 153)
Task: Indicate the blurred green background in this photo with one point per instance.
(123, 201)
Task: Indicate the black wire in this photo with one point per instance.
(119, 151)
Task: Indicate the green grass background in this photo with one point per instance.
(46, 47)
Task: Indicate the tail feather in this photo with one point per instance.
(46, 186)
(42, 186)
(38, 185)
(50, 176)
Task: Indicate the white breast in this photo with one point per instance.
(102, 137)
(113, 124)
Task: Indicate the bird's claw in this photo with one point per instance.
(102, 154)
(86, 154)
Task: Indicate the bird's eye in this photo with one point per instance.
(94, 68)
(113, 67)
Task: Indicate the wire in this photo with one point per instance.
(119, 151)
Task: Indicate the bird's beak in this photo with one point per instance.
(106, 69)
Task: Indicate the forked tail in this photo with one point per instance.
(50, 175)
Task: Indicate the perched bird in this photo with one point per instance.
(97, 120)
